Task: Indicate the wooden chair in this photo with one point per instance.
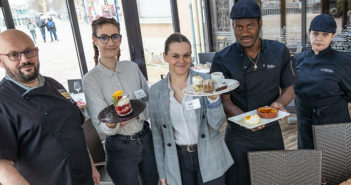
(283, 167)
(96, 150)
(334, 140)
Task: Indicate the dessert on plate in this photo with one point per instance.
(267, 112)
(197, 83)
(121, 103)
(220, 87)
(252, 120)
(208, 85)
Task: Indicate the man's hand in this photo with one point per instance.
(9, 175)
(278, 106)
(96, 175)
(258, 128)
(163, 182)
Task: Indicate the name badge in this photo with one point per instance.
(193, 104)
(139, 93)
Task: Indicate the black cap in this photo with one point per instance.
(245, 9)
(323, 22)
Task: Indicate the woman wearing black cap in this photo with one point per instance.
(324, 85)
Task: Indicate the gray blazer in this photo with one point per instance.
(214, 156)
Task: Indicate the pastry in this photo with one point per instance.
(221, 87)
(121, 103)
(267, 112)
(207, 85)
(197, 83)
(252, 120)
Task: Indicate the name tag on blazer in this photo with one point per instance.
(139, 94)
(193, 104)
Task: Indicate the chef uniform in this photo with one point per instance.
(324, 85)
(41, 132)
(259, 86)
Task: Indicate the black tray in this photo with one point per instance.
(109, 114)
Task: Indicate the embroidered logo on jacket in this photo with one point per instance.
(327, 70)
(270, 66)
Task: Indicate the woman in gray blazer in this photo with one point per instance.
(189, 149)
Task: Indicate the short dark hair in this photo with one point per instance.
(175, 37)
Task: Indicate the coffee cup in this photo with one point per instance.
(218, 77)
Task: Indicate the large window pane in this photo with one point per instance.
(271, 20)
(87, 11)
(2, 28)
(58, 58)
(156, 25)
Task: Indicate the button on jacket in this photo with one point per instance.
(41, 131)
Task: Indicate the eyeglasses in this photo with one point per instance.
(116, 38)
(16, 56)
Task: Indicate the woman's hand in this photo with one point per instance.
(111, 125)
(213, 97)
(163, 182)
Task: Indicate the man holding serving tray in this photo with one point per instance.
(266, 75)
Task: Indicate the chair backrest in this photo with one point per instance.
(93, 141)
(283, 167)
(334, 140)
(206, 57)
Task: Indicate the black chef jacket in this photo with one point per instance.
(322, 91)
(40, 130)
(323, 76)
(261, 87)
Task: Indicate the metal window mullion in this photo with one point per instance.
(7, 14)
(77, 37)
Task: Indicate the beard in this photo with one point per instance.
(20, 76)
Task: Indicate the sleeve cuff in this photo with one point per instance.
(211, 104)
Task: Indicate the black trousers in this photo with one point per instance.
(130, 159)
(334, 112)
(190, 170)
(240, 141)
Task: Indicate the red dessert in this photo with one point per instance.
(122, 104)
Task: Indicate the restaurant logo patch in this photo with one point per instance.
(270, 66)
(327, 70)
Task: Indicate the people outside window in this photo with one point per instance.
(323, 89)
(31, 27)
(42, 25)
(188, 146)
(129, 148)
(266, 74)
(52, 29)
(41, 135)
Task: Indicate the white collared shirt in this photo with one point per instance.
(184, 122)
(100, 83)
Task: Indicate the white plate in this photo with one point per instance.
(239, 119)
(231, 85)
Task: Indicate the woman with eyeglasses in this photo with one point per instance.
(129, 146)
(323, 89)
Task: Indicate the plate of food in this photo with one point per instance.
(258, 117)
(122, 109)
(208, 87)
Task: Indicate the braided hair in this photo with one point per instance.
(98, 23)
